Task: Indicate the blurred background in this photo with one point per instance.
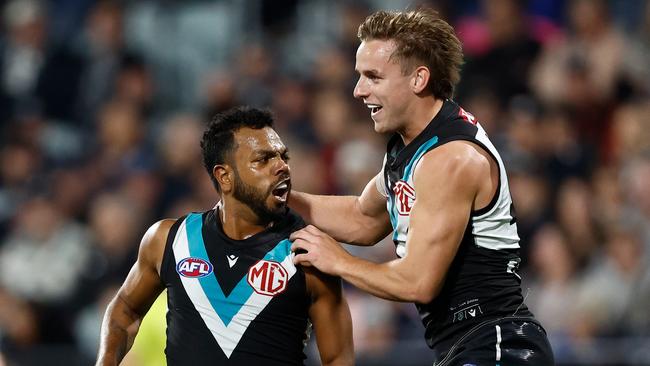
(102, 105)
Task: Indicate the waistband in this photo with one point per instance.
(476, 328)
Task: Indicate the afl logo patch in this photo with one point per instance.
(268, 278)
(193, 267)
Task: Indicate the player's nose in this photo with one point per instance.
(281, 167)
(360, 90)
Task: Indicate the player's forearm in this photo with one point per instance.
(113, 346)
(339, 216)
(342, 360)
(119, 328)
(388, 280)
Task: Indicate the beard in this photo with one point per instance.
(255, 199)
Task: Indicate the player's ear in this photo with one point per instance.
(223, 173)
(420, 79)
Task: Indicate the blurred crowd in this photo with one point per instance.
(103, 103)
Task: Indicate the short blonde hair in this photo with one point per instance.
(421, 38)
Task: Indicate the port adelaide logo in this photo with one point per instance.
(268, 278)
(193, 267)
(404, 197)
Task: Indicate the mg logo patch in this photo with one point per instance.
(404, 197)
(268, 278)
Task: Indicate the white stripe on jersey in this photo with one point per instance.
(498, 344)
(380, 183)
(226, 336)
(493, 229)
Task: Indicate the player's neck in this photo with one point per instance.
(238, 221)
(419, 116)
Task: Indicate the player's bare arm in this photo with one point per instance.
(449, 182)
(330, 316)
(140, 289)
(359, 220)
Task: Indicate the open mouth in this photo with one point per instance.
(374, 108)
(281, 191)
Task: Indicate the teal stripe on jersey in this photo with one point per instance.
(392, 215)
(280, 252)
(418, 154)
(225, 306)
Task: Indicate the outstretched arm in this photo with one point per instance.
(140, 289)
(446, 184)
(330, 315)
(360, 220)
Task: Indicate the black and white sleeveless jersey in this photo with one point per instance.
(482, 282)
(233, 302)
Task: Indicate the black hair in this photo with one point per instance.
(218, 140)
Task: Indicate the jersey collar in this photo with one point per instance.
(397, 153)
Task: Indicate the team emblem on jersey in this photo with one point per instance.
(268, 277)
(467, 116)
(404, 197)
(193, 267)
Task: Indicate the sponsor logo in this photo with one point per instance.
(404, 197)
(232, 259)
(268, 278)
(193, 267)
(513, 266)
(468, 313)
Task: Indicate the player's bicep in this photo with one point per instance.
(372, 201)
(330, 316)
(371, 204)
(142, 285)
(445, 187)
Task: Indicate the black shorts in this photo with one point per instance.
(505, 341)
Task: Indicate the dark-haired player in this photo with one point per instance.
(234, 294)
(443, 191)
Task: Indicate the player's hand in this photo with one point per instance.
(313, 247)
